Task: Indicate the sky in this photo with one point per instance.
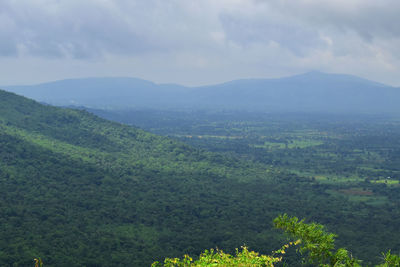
(197, 42)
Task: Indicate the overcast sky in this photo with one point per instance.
(196, 42)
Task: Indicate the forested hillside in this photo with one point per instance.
(78, 190)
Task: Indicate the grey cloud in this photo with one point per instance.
(368, 18)
(78, 29)
(7, 47)
(299, 40)
(199, 41)
(7, 29)
(87, 29)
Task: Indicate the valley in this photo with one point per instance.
(354, 158)
(77, 188)
(329, 148)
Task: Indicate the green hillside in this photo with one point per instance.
(77, 190)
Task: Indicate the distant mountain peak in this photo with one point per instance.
(311, 91)
(315, 72)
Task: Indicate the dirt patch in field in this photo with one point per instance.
(356, 192)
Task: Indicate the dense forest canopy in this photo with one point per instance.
(78, 190)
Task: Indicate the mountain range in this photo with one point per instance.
(309, 92)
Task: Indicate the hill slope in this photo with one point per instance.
(310, 92)
(78, 190)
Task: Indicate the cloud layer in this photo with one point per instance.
(198, 42)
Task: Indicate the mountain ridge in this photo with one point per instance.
(308, 92)
(314, 73)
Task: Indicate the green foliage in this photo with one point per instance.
(319, 244)
(219, 258)
(390, 260)
(313, 240)
(38, 262)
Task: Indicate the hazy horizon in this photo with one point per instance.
(191, 86)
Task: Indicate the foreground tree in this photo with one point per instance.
(314, 243)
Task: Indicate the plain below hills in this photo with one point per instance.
(309, 92)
